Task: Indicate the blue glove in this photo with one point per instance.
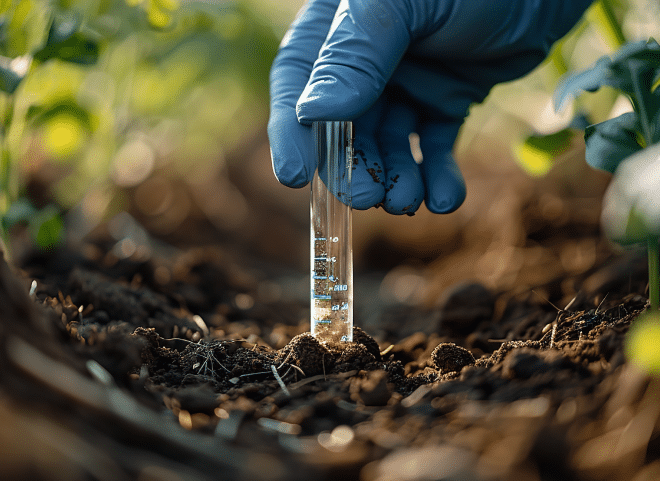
(394, 67)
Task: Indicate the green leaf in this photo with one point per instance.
(66, 41)
(50, 232)
(610, 142)
(20, 211)
(9, 79)
(63, 27)
(588, 80)
(27, 22)
(537, 154)
(75, 49)
(40, 114)
(646, 50)
(640, 59)
(642, 345)
(47, 228)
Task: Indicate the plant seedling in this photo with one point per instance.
(629, 215)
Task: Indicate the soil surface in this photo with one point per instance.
(183, 365)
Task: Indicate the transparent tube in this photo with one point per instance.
(331, 248)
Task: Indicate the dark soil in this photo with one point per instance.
(181, 365)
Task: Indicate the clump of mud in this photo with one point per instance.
(448, 357)
(308, 354)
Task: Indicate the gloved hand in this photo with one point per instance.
(396, 67)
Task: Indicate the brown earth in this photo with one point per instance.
(182, 366)
(133, 359)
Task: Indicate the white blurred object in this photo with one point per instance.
(533, 106)
(631, 206)
(433, 463)
(641, 20)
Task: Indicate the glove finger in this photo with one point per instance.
(291, 144)
(368, 172)
(403, 180)
(444, 183)
(291, 149)
(364, 46)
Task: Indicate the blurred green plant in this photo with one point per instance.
(629, 145)
(537, 151)
(21, 35)
(635, 71)
(99, 94)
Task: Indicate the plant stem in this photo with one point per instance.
(653, 244)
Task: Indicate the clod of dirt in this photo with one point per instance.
(464, 306)
(307, 353)
(367, 341)
(448, 357)
(313, 357)
(354, 356)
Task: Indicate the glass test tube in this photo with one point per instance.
(331, 248)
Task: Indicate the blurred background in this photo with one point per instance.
(145, 119)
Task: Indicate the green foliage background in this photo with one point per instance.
(98, 94)
(537, 135)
